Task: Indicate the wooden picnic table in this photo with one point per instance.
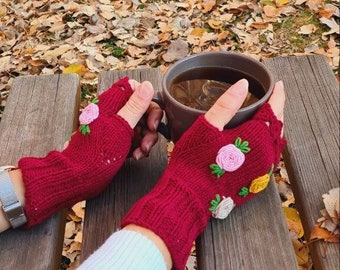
(255, 236)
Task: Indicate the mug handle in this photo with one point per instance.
(162, 127)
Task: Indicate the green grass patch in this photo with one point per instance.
(287, 30)
(88, 92)
(117, 51)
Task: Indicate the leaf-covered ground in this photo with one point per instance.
(44, 37)
(87, 37)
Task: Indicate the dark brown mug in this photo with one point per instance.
(227, 67)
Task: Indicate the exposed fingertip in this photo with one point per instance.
(147, 84)
(227, 105)
(279, 89)
(137, 154)
(279, 84)
(146, 90)
(240, 87)
(146, 148)
(134, 84)
(155, 125)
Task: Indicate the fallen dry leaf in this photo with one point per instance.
(293, 221)
(332, 24)
(314, 4)
(75, 68)
(326, 13)
(301, 251)
(331, 201)
(307, 29)
(177, 50)
(271, 11)
(79, 209)
(70, 229)
(319, 233)
(215, 24)
(327, 227)
(198, 31)
(208, 5)
(280, 3)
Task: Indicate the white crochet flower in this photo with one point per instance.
(224, 208)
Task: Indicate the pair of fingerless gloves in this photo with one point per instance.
(210, 171)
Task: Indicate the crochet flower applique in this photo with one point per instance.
(221, 209)
(88, 115)
(230, 157)
(257, 184)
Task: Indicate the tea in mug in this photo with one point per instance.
(200, 88)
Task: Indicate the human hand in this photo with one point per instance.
(241, 159)
(226, 107)
(93, 156)
(212, 170)
(145, 131)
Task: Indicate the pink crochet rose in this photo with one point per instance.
(89, 114)
(230, 158)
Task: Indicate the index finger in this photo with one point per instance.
(227, 105)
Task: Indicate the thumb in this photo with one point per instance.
(227, 105)
(138, 103)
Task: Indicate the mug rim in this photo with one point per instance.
(259, 102)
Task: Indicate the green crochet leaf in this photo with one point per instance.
(215, 203)
(84, 129)
(243, 146)
(215, 169)
(95, 100)
(244, 191)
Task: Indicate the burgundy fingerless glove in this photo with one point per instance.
(94, 155)
(210, 172)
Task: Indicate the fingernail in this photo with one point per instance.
(280, 84)
(138, 155)
(144, 90)
(155, 124)
(133, 84)
(240, 88)
(148, 147)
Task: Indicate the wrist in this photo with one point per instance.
(173, 212)
(4, 224)
(159, 243)
(12, 213)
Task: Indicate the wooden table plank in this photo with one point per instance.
(136, 178)
(312, 131)
(254, 236)
(37, 119)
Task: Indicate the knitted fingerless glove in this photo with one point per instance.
(81, 171)
(210, 172)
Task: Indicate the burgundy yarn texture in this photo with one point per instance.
(177, 209)
(85, 167)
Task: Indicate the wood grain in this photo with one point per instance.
(40, 116)
(312, 131)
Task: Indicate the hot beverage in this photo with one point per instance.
(200, 88)
(193, 84)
